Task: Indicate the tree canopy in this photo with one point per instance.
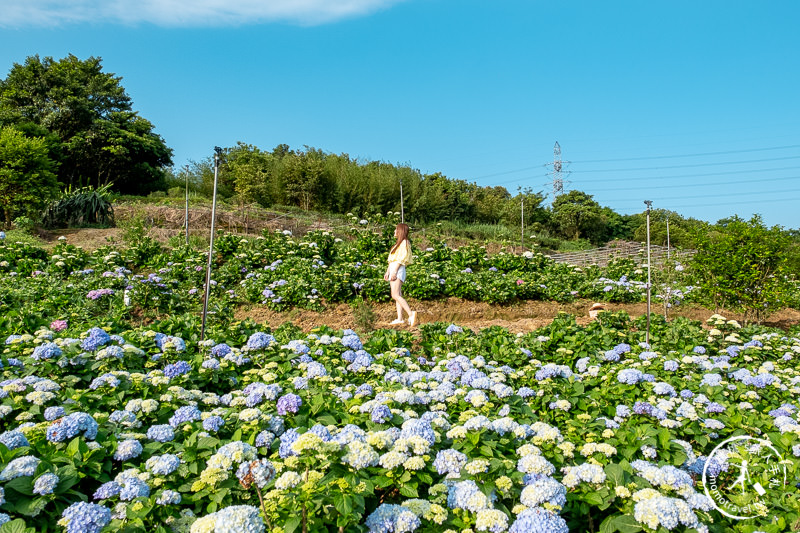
(27, 180)
(88, 122)
(742, 265)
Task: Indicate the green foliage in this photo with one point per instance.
(741, 265)
(681, 230)
(141, 246)
(25, 225)
(577, 215)
(24, 237)
(27, 179)
(364, 315)
(88, 121)
(81, 207)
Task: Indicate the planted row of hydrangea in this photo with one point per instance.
(143, 428)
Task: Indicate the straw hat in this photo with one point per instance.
(596, 308)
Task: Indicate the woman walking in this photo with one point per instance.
(399, 258)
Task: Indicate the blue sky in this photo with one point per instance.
(693, 105)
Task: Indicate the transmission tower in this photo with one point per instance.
(558, 172)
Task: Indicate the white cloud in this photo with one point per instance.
(182, 13)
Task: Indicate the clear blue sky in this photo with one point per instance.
(694, 105)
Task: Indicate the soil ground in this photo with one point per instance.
(521, 317)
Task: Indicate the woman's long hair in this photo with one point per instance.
(402, 234)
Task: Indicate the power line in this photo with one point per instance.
(651, 168)
(717, 195)
(702, 184)
(705, 174)
(507, 172)
(727, 152)
(690, 166)
(673, 207)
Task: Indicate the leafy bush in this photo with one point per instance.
(742, 266)
(81, 207)
(24, 224)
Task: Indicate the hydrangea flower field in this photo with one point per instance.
(282, 272)
(564, 429)
(111, 424)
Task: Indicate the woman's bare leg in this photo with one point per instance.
(397, 295)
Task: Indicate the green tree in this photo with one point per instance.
(27, 180)
(741, 266)
(535, 214)
(576, 215)
(681, 230)
(303, 178)
(88, 118)
(251, 171)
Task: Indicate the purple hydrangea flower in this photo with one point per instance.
(289, 403)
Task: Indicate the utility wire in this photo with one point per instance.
(717, 195)
(689, 166)
(705, 174)
(507, 172)
(698, 184)
(673, 207)
(727, 152)
(700, 154)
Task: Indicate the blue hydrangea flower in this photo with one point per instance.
(185, 414)
(19, 467)
(127, 450)
(543, 489)
(132, 488)
(85, 517)
(71, 425)
(107, 490)
(449, 462)
(258, 473)
(163, 465)
(381, 414)
(466, 495)
(13, 439)
(169, 497)
(452, 328)
(711, 380)
(213, 423)
(96, 337)
(45, 484)
(177, 369)
(212, 364)
(161, 433)
(287, 439)
(106, 379)
(221, 350)
(239, 519)
(48, 350)
(315, 370)
(391, 518)
(259, 341)
(264, 439)
(538, 520)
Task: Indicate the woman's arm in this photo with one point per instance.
(391, 272)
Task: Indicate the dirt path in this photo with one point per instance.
(518, 318)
